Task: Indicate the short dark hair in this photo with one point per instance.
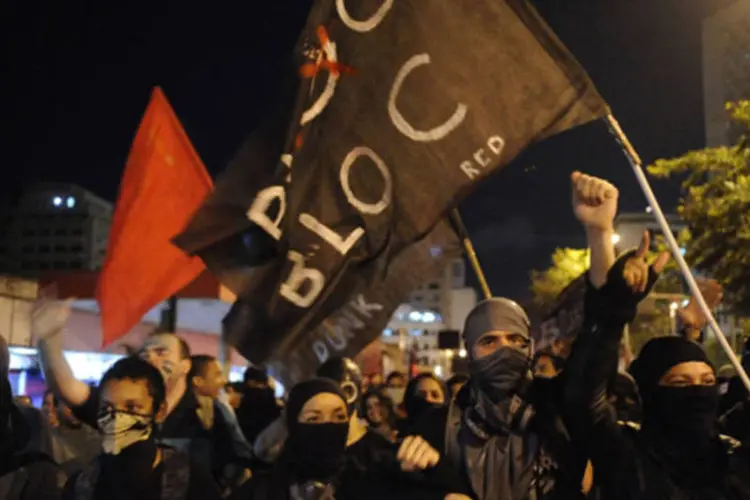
(394, 374)
(135, 368)
(198, 364)
(184, 347)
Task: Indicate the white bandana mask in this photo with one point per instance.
(121, 429)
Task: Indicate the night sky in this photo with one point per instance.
(81, 73)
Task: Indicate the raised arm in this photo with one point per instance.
(48, 318)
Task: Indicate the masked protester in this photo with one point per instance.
(423, 393)
(259, 407)
(26, 471)
(182, 427)
(490, 442)
(677, 454)
(370, 467)
(132, 464)
(317, 421)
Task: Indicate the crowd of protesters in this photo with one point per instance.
(520, 425)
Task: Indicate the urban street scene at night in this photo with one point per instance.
(375, 250)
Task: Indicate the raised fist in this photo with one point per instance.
(594, 201)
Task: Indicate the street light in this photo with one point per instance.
(615, 238)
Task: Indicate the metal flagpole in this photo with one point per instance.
(640, 175)
(458, 226)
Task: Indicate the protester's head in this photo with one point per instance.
(132, 401)
(624, 397)
(49, 409)
(494, 324)
(169, 354)
(396, 380)
(677, 385)
(206, 376)
(256, 377)
(546, 364)
(377, 409)
(318, 422)
(234, 394)
(347, 374)
(423, 392)
(455, 383)
(497, 339)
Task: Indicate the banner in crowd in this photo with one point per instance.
(564, 320)
(403, 108)
(163, 184)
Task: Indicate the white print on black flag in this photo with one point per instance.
(405, 106)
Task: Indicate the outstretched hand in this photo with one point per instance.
(636, 269)
(49, 317)
(692, 315)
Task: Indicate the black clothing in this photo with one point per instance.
(257, 411)
(648, 465)
(538, 460)
(371, 472)
(25, 473)
(200, 486)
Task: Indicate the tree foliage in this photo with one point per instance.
(567, 265)
(716, 208)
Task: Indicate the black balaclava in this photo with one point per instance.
(314, 452)
(679, 423)
(347, 374)
(627, 401)
(414, 403)
(689, 409)
(498, 380)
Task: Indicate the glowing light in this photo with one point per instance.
(428, 317)
(438, 371)
(615, 239)
(462, 353)
(70, 202)
(683, 251)
(57, 201)
(415, 316)
(649, 209)
(673, 306)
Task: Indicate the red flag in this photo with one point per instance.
(163, 184)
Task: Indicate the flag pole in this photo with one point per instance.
(640, 175)
(458, 226)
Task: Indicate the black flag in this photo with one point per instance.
(367, 310)
(403, 108)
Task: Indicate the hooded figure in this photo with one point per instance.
(677, 454)
(313, 455)
(488, 436)
(26, 471)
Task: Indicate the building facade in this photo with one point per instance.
(726, 68)
(54, 227)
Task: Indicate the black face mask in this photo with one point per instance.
(501, 373)
(418, 406)
(684, 411)
(316, 452)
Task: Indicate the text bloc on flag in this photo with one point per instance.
(163, 184)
